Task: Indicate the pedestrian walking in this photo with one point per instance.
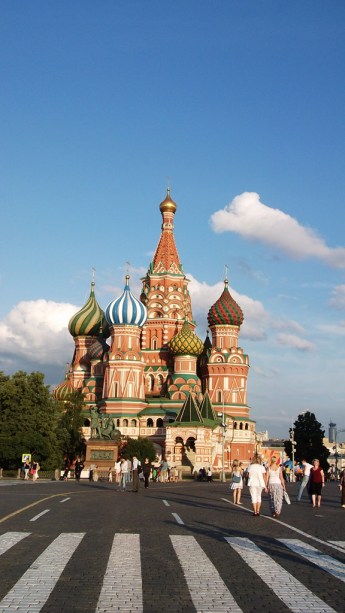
(305, 478)
(26, 470)
(317, 482)
(276, 486)
(256, 483)
(110, 474)
(236, 484)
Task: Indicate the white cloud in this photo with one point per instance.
(36, 331)
(288, 324)
(295, 342)
(204, 296)
(337, 300)
(254, 220)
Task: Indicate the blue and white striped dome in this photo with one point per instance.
(126, 310)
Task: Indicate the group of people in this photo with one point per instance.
(30, 469)
(271, 480)
(133, 470)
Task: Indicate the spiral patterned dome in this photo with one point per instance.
(225, 311)
(126, 310)
(186, 342)
(98, 349)
(87, 321)
(63, 391)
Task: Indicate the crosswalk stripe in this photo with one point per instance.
(9, 539)
(122, 588)
(339, 543)
(33, 589)
(207, 589)
(288, 589)
(331, 565)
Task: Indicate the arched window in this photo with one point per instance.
(235, 425)
(154, 343)
(246, 427)
(219, 396)
(151, 383)
(160, 382)
(149, 423)
(241, 426)
(117, 422)
(125, 423)
(159, 423)
(134, 423)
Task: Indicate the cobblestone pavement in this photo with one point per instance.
(184, 547)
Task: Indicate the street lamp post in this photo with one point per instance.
(223, 425)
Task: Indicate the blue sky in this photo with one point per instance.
(242, 105)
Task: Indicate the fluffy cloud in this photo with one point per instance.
(36, 332)
(295, 342)
(254, 220)
(204, 296)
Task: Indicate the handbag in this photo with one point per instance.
(287, 497)
(236, 479)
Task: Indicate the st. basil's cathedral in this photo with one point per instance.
(156, 378)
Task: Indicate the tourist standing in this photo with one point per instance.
(317, 482)
(342, 488)
(78, 467)
(136, 468)
(256, 483)
(147, 467)
(305, 478)
(276, 485)
(124, 474)
(164, 471)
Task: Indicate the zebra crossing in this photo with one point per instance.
(122, 588)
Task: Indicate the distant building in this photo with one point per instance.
(154, 377)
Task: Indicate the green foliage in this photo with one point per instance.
(308, 434)
(31, 421)
(141, 448)
(69, 426)
(27, 420)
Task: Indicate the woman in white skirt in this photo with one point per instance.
(276, 486)
(237, 481)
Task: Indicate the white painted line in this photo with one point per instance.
(65, 500)
(178, 519)
(33, 589)
(330, 565)
(334, 544)
(288, 589)
(122, 588)
(241, 506)
(9, 539)
(166, 503)
(207, 589)
(39, 515)
(338, 543)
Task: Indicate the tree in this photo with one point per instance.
(308, 435)
(70, 422)
(27, 420)
(140, 447)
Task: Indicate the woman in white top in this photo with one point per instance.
(276, 486)
(256, 483)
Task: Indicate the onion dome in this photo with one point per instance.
(126, 310)
(63, 391)
(168, 204)
(225, 311)
(98, 349)
(88, 321)
(186, 342)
